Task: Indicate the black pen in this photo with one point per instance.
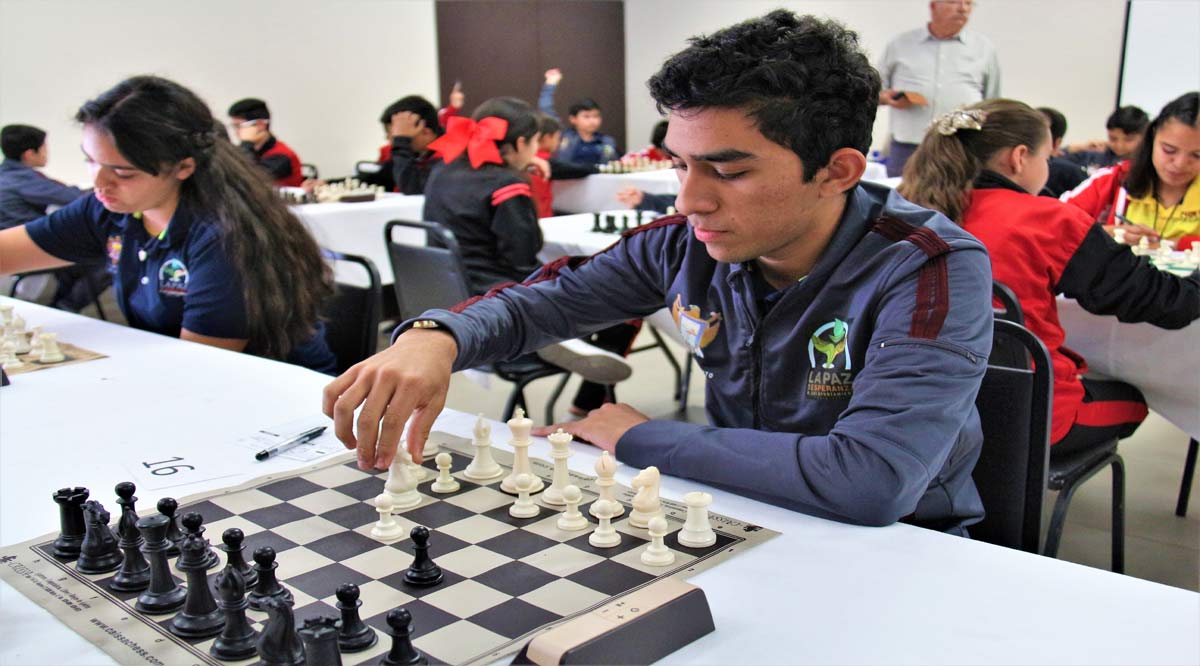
(306, 436)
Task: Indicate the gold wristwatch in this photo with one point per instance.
(426, 323)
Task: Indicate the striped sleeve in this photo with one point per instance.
(509, 191)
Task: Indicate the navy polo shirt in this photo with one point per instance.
(178, 279)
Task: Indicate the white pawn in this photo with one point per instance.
(50, 351)
(606, 469)
(35, 341)
(8, 356)
(387, 528)
(604, 536)
(656, 553)
(401, 487)
(524, 507)
(645, 503)
(560, 443)
(445, 483)
(19, 338)
(520, 427)
(483, 466)
(6, 314)
(697, 532)
(572, 519)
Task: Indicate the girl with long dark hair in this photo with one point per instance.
(1157, 193)
(983, 166)
(199, 244)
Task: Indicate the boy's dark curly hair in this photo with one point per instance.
(804, 80)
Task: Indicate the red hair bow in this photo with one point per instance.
(478, 139)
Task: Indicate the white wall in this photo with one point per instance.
(1063, 54)
(1161, 31)
(327, 69)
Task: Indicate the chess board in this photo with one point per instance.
(506, 579)
(71, 353)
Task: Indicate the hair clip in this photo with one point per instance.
(950, 123)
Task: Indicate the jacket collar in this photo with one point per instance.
(990, 180)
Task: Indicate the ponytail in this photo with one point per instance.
(941, 173)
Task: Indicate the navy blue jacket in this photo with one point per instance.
(25, 192)
(851, 398)
(178, 279)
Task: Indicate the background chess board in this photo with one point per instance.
(71, 353)
(506, 579)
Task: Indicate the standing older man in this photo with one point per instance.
(933, 70)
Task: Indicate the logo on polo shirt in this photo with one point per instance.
(114, 252)
(697, 332)
(830, 376)
(172, 278)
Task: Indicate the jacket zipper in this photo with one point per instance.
(932, 343)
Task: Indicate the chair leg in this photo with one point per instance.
(686, 384)
(1118, 515)
(550, 403)
(515, 399)
(1054, 532)
(1185, 485)
(662, 344)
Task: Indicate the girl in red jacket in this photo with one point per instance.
(1157, 193)
(982, 166)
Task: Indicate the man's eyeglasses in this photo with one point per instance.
(244, 123)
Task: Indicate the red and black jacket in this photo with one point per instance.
(279, 160)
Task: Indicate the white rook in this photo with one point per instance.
(697, 532)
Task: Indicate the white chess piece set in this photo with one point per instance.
(634, 165)
(16, 341)
(400, 492)
(351, 188)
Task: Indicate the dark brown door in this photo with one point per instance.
(504, 47)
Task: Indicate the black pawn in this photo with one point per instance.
(200, 617)
(238, 640)
(193, 523)
(320, 637)
(399, 622)
(355, 635)
(164, 594)
(268, 586)
(70, 514)
(278, 645)
(98, 553)
(235, 555)
(134, 574)
(423, 572)
(167, 506)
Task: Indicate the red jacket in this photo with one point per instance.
(1040, 248)
(277, 149)
(543, 197)
(1103, 194)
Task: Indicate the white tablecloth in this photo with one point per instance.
(1164, 365)
(357, 228)
(821, 593)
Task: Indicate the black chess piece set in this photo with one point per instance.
(139, 552)
(292, 197)
(610, 222)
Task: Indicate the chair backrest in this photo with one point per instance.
(1010, 307)
(426, 276)
(1014, 410)
(309, 171)
(1006, 350)
(352, 316)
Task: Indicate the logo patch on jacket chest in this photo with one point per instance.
(830, 376)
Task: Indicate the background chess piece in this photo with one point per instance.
(167, 506)
(354, 635)
(606, 469)
(483, 466)
(268, 586)
(164, 595)
(320, 638)
(279, 645)
(134, 574)
(238, 640)
(235, 555)
(71, 523)
(200, 617)
(98, 553)
(422, 572)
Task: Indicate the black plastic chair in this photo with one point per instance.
(1014, 411)
(1185, 484)
(93, 290)
(352, 316)
(1066, 471)
(309, 171)
(433, 276)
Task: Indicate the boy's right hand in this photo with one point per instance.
(631, 196)
(405, 123)
(408, 379)
(553, 76)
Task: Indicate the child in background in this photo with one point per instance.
(410, 124)
(250, 119)
(480, 195)
(582, 142)
(1126, 126)
(1065, 175)
(199, 244)
(549, 132)
(981, 166)
(1157, 193)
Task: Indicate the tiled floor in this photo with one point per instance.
(1159, 546)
